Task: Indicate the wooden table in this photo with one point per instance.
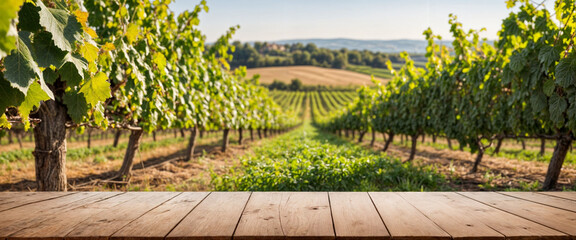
(280, 215)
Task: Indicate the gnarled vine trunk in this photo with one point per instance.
(191, 144)
(251, 134)
(413, 148)
(133, 145)
(542, 146)
(50, 150)
(498, 145)
(225, 139)
(240, 136)
(555, 166)
(478, 158)
(373, 138)
(361, 136)
(388, 141)
(117, 135)
(259, 133)
(449, 143)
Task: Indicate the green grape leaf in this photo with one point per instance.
(46, 52)
(49, 76)
(76, 104)
(548, 55)
(97, 89)
(99, 118)
(21, 69)
(557, 107)
(160, 61)
(8, 12)
(4, 122)
(28, 18)
(549, 87)
(69, 73)
(132, 33)
(538, 101)
(566, 71)
(65, 29)
(517, 62)
(11, 97)
(33, 99)
(89, 52)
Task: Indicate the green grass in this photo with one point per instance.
(309, 160)
(82, 153)
(377, 72)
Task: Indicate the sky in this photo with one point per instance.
(269, 20)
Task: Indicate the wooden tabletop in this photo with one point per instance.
(282, 215)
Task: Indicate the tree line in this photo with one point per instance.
(264, 54)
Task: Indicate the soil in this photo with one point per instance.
(494, 173)
(161, 169)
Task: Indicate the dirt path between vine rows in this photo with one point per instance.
(494, 173)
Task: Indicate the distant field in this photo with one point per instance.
(377, 72)
(310, 75)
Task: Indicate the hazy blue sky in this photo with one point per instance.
(266, 20)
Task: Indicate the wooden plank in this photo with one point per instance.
(561, 220)
(565, 195)
(214, 218)
(306, 215)
(261, 219)
(103, 224)
(511, 226)
(403, 220)
(9, 200)
(30, 215)
(62, 223)
(457, 222)
(163, 218)
(355, 216)
(544, 199)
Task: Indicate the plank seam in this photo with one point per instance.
(379, 214)
(417, 209)
(241, 213)
(110, 237)
(537, 202)
(69, 194)
(550, 195)
(568, 234)
(175, 225)
(331, 215)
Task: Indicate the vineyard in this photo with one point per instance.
(108, 95)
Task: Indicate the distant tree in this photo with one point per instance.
(295, 85)
(311, 48)
(278, 85)
(340, 61)
(354, 57)
(301, 58)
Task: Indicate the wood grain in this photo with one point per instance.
(103, 224)
(561, 220)
(163, 218)
(215, 218)
(355, 216)
(403, 220)
(306, 215)
(261, 218)
(28, 216)
(11, 200)
(565, 195)
(551, 201)
(455, 221)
